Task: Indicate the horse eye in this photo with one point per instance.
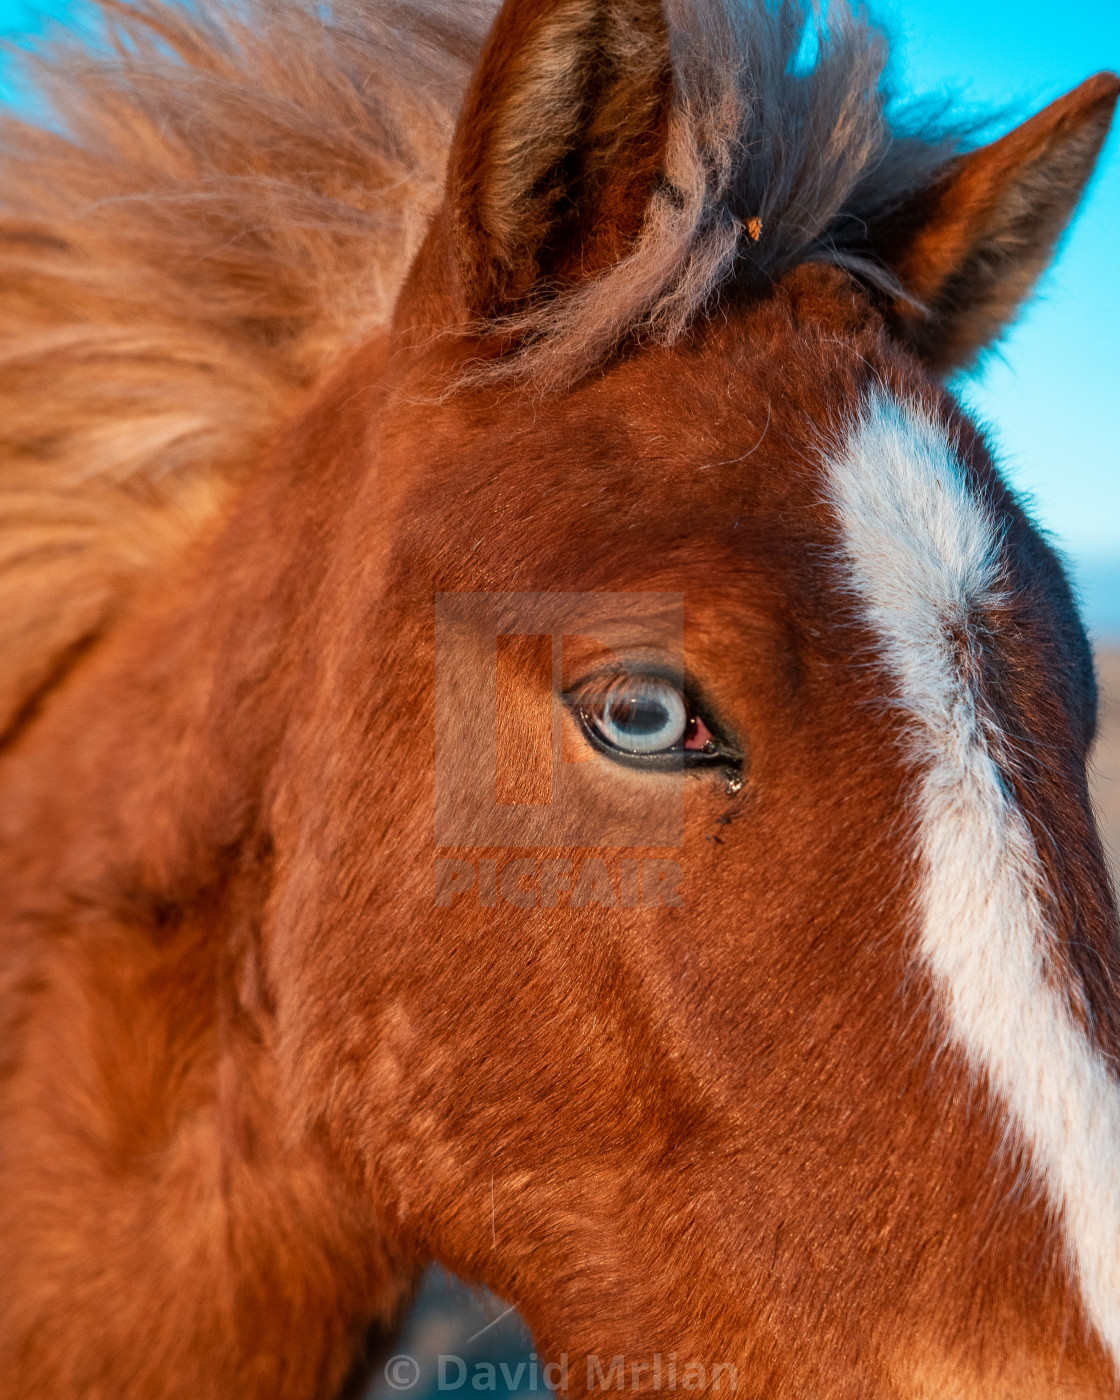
(642, 716)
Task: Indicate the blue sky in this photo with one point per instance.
(1051, 395)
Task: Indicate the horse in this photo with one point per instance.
(535, 735)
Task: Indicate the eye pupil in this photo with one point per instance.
(639, 716)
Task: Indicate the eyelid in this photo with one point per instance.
(655, 669)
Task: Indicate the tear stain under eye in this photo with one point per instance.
(725, 818)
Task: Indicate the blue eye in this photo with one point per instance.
(641, 715)
(647, 720)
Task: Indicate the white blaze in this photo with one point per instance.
(922, 555)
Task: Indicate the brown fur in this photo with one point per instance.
(254, 1077)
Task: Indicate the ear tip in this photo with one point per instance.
(1101, 89)
(1086, 108)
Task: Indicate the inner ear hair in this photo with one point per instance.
(558, 147)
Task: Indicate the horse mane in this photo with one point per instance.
(219, 198)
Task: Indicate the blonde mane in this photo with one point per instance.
(220, 197)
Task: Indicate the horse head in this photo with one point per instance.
(604, 806)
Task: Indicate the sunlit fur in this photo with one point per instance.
(216, 207)
(311, 314)
(228, 198)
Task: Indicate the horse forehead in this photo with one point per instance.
(920, 542)
(770, 365)
(705, 465)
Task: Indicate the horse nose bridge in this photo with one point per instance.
(1018, 932)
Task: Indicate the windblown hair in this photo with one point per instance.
(780, 151)
(221, 197)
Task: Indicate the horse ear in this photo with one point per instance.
(557, 150)
(970, 248)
